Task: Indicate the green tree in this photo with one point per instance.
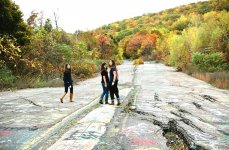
(80, 50)
(12, 24)
(48, 25)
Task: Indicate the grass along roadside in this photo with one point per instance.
(80, 71)
(217, 79)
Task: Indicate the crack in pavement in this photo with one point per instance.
(31, 102)
(196, 111)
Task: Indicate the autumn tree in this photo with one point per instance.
(35, 19)
(89, 39)
(32, 18)
(220, 4)
(140, 44)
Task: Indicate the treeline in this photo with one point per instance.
(33, 53)
(178, 36)
(194, 38)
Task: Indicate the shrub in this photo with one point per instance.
(138, 61)
(6, 78)
(84, 69)
(181, 23)
(209, 62)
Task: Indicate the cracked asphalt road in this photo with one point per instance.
(166, 100)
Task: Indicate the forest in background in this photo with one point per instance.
(193, 38)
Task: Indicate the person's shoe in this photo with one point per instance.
(71, 97)
(106, 101)
(112, 102)
(61, 100)
(101, 101)
(118, 103)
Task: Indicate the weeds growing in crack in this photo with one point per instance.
(174, 141)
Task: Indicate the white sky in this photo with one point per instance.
(90, 14)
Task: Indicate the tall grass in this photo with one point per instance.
(217, 79)
(81, 70)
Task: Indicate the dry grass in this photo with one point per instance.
(217, 79)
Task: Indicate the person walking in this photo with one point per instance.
(68, 83)
(113, 82)
(105, 84)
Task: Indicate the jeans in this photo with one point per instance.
(114, 90)
(105, 92)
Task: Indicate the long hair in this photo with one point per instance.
(66, 68)
(103, 67)
(113, 64)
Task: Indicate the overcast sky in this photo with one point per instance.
(90, 14)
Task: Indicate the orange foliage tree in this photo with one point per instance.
(140, 44)
(106, 45)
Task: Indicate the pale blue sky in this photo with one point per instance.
(90, 14)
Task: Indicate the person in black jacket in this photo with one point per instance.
(105, 83)
(113, 82)
(68, 83)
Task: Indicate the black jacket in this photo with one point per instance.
(67, 77)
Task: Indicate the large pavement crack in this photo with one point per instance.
(31, 102)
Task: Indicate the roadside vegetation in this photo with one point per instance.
(193, 38)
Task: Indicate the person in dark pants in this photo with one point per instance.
(68, 83)
(113, 82)
(105, 82)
